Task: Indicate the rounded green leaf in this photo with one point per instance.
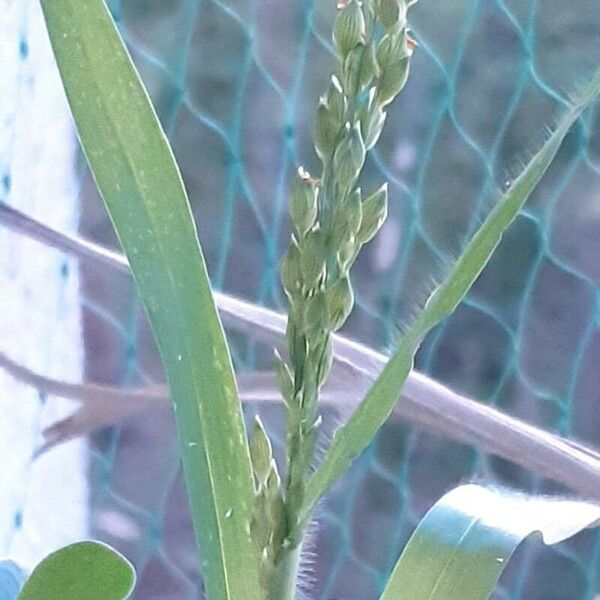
(82, 571)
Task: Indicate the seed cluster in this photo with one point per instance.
(331, 217)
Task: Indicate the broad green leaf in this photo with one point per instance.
(140, 184)
(463, 544)
(81, 571)
(350, 439)
(12, 579)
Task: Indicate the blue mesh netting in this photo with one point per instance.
(236, 83)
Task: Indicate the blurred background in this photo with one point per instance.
(236, 84)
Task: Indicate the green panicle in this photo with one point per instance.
(373, 51)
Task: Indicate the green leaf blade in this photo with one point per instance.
(463, 544)
(82, 571)
(354, 436)
(139, 181)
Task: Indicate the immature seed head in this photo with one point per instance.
(391, 12)
(260, 452)
(349, 29)
(340, 300)
(373, 49)
(327, 131)
(303, 203)
(374, 214)
(349, 157)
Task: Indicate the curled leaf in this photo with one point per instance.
(463, 544)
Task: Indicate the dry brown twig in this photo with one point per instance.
(424, 402)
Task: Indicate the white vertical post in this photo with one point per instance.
(43, 502)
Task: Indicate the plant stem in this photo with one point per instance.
(284, 582)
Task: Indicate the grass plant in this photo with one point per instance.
(251, 514)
